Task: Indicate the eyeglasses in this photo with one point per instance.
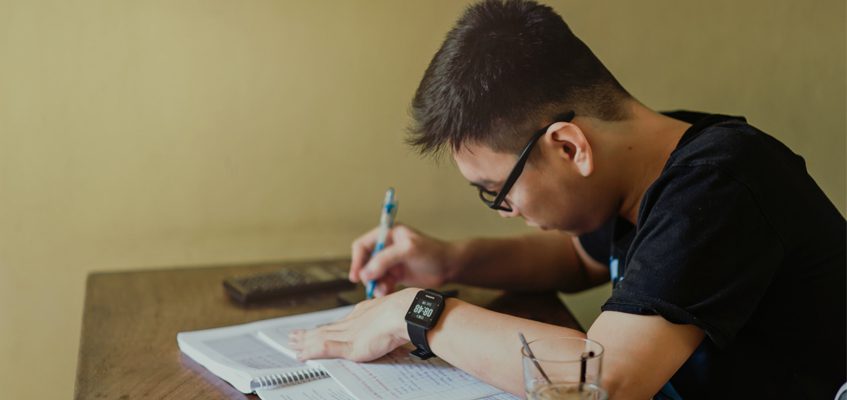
(494, 200)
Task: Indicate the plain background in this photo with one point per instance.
(141, 134)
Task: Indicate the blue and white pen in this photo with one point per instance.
(386, 220)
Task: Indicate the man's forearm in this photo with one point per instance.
(485, 343)
(542, 261)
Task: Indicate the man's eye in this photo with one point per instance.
(488, 195)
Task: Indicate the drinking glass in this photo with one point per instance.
(572, 366)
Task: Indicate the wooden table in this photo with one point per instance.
(128, 345)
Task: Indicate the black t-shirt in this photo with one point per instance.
(736, 238)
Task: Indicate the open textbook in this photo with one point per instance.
(254, 357)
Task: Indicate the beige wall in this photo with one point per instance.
(151, 133)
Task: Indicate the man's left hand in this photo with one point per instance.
(373, 329)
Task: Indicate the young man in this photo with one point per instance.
(728, 260)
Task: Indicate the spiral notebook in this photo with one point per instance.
(244, 356)
(253, 357)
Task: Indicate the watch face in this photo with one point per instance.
(425, 309)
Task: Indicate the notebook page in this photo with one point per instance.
(501, 396)
(322, 389)
(400, 376)
(328, 389)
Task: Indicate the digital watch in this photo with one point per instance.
(422, 316)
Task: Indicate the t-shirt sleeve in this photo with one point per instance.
(704, 253)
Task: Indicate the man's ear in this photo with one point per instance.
(571, 144)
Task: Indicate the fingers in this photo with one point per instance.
(380, 263)
(385, 286)
(295, 339)
(325, 349)
(324, 342)
(367, 333)
(362, 248)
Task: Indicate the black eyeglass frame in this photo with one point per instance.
(497, 203)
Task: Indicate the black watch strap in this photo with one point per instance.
(417, 332)
(417, 335)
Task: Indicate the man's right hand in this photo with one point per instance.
(409, 258)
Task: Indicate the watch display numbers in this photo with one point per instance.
(423, 310)
(422, 316)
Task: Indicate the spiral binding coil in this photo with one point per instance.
(288, 378)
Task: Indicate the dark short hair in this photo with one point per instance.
(505, 68)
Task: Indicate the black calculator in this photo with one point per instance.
(288, 281)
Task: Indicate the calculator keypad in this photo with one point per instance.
(288, 281)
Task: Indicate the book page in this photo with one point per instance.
(240, 353)
(251, 352)
(247, 345)
(275, 332)
(401, 376)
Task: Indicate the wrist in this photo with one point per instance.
(423, 316)
(405, 299)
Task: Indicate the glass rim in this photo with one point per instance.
(578, 360)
